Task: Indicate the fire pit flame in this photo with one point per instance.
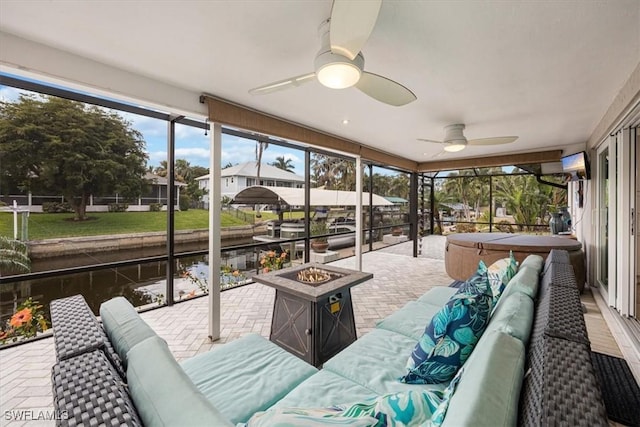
(313, 275)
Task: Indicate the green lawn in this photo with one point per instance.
(48, 226)
(287, 215)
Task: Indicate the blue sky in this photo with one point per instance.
(191, 143)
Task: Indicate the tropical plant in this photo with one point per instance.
(319, 228)
(271, 260)
(14, 256)
(26, 322)
(527, 199)
(228, 278)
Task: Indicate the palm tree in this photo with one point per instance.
(333, 173)
(284, 164)
(14, 256)
(260, 147)
(182, 171)
(527, 199)
(162, 169)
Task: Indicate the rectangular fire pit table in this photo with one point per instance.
(314, 321)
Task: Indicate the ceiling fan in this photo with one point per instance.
(454, 139)
(339, 64)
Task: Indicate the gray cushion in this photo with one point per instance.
(123, 325)
(162, 393)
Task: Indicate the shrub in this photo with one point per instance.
(118, 207)
(56, 207)
(184, 202)
(155, 207)
(505, 226)
(465, 228)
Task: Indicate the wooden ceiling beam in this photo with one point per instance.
(241, 117)
(492, 161)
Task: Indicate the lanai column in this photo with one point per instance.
(358, 253)
(214, 231)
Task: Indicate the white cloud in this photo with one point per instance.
(192, 152)
(191, 133)
(148, 126)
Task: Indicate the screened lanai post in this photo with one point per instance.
(215, 166)
(358, 213)
(171, 194)
(414, 233)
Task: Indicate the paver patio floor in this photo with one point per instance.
(25, 384)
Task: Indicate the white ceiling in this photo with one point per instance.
(544, 70)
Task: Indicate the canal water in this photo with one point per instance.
(142, 284)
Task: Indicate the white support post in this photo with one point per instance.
(214, 231)
(358, 253)
(15, 220)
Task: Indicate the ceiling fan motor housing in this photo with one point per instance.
(453, 133)
(454, 138)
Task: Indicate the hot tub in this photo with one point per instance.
(463, 251)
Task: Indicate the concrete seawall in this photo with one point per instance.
(52, 248)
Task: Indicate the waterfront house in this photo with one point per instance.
(238, 177)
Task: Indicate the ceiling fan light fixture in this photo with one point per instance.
(338, 75)
(336, 71)
(455, 146)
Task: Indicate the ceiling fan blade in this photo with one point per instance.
(493, 141)
(283, 84)
(431, 140)
(385, 90)
(351, 24)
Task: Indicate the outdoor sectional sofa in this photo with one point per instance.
(532, 365)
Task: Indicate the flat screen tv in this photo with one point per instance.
(576, 167)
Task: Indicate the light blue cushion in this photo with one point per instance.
(514, 316)
(489, 388)
(124, 326)
(246, 375)
(410, 320)
(534, 261)
(162, 392)
(451, 335)
(376, 361)
(438, 295)
(440, 413)
(325, 389)
(526, 281)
